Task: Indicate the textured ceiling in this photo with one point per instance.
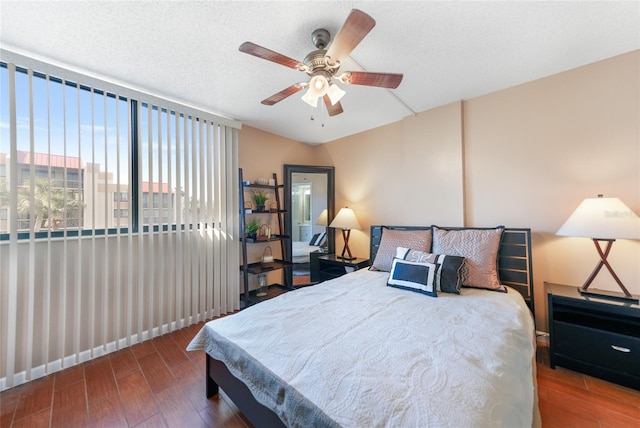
(188, 51)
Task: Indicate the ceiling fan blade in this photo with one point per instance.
(333, 109)
(383, 80)
(268, 54)
(282, 94)
(357, 25)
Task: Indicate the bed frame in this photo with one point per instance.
(514, 270)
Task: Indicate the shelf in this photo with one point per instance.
(248, 268)
(264, 186)
(256, 268)
(265, 211)
(274, 238)
(272, 291)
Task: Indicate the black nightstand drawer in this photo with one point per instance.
(595, 336)
(610, 350)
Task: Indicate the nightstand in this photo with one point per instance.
(331, 266)
(595, 336)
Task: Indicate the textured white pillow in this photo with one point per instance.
(479, 247)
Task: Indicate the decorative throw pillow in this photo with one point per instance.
(449, 267)
(394, 238)
(479, 247)
(413, 276)
(314, 238)
(322, 239)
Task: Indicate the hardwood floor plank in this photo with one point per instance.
(8, 405)
(177, 411)
(595, 407)
(557, 415)
(35, 420)
(107, 414)
(68, 377)
(123, 362)
(562, 375)
(136, 398)
(142, 349)
(615, 392)
(170, 352)
(70, 406)
(35, 396)
(100, 381)
(155, 421)
(156, 372)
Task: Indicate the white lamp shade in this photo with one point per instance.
(323, 219)
(318, 86)
(346, 219)
(602, 218)
(335, 93)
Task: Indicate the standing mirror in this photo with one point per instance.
(309, 201)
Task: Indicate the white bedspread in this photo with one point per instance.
(371, 355)
(300, 251)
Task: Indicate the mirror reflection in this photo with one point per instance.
(309, 191)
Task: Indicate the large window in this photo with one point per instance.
(72, 151)
(81, 156)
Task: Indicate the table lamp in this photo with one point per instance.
(603, 220)
(345, 220)
(322, 219)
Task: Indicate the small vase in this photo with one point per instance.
(262, 285)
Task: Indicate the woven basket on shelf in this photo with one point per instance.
(267, 258)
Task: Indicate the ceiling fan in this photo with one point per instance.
(323, 65)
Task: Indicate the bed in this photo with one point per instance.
(355, 351)
(300, 249)
(300, 252)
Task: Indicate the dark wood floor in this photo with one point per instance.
(158, 384)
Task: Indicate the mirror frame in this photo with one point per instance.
(289, 170)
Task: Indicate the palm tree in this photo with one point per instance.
(51, 204)
(4, 193)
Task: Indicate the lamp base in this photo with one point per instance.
(346, 258)
(609, 295)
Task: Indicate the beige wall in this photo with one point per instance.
(535, 151)
(521, 157)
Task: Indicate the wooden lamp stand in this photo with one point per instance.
(627, 297)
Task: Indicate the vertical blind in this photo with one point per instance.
(121, 218)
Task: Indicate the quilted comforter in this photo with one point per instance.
(355, 352)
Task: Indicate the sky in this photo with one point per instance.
(73, 121)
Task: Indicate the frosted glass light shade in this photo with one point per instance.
(602, 218)
(323, 219)
(318, 86)
(346, 220)
(335, 93)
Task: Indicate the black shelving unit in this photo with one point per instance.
(254, 268)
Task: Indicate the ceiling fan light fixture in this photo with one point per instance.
(335, 93)
(310, 97)
(318, 86)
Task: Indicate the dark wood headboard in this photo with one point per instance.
(514, 256)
